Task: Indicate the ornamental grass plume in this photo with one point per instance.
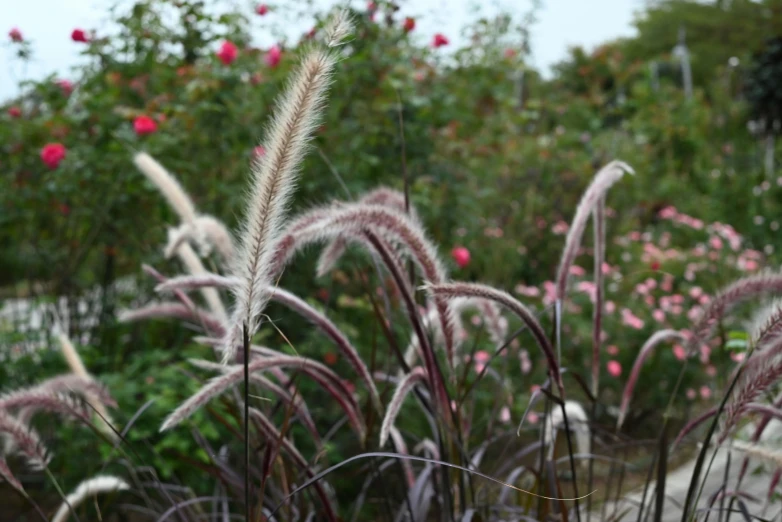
(326, 378)
(89, 488)
(593, 198)
(759, 374)
(604, 180)
(732, 295)
(647, 348)
(298, 305)
(200, 228)
(460, 290)
(296, 116)
(353, 221)
(416, 376)
(383, 196)
(77, 367)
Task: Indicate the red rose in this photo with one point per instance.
(52, 154)
(15, 35)
(66, 86)
(409, 24)
(439, 40)
(228, 52)
(274, 56)
(461, 255)
(262, 9)
(78, 35)
(144, 125)
(655, 265)
(15, 112)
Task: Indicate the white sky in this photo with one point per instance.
(561, 23)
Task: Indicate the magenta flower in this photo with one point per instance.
(274, 56)
(227, 52)
(52, 154)
(461, 256)
(679, 352)
(78, 35)
(614, 368)
(144, 125)
(439, 40)
(631, 320)
(15, 35)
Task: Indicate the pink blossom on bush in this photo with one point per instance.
(533, 417)
(668, 212)
(667, 284)
(227, 52)
(78, 35)
(589, 288)
(461, 256)
(560, 228)
(259, 151)
(65, 86)
(550, 292)
(262, 9)
(525, 363)
(612, 350)
(273, 56)
(15, 112)
(15, 35)
(144, 125)
(527, 291)
(705, 351)
(610, 307)
(679, 352)
(711, 370)
(505, 415)
(614, 368)
(409, 24)
(705, 392)
(577, 271)
(439, 40)
(691, 394)
(737, 356)
(631, 320)
(658, 315)
(52, 154)
(480, 359)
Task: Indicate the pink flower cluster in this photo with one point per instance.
(677, 217)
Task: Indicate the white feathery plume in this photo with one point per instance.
(195, 267)
(235, 374)
(416, 375)
(88, 488)
(274, 174)
(170, 188)
(77, 367)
